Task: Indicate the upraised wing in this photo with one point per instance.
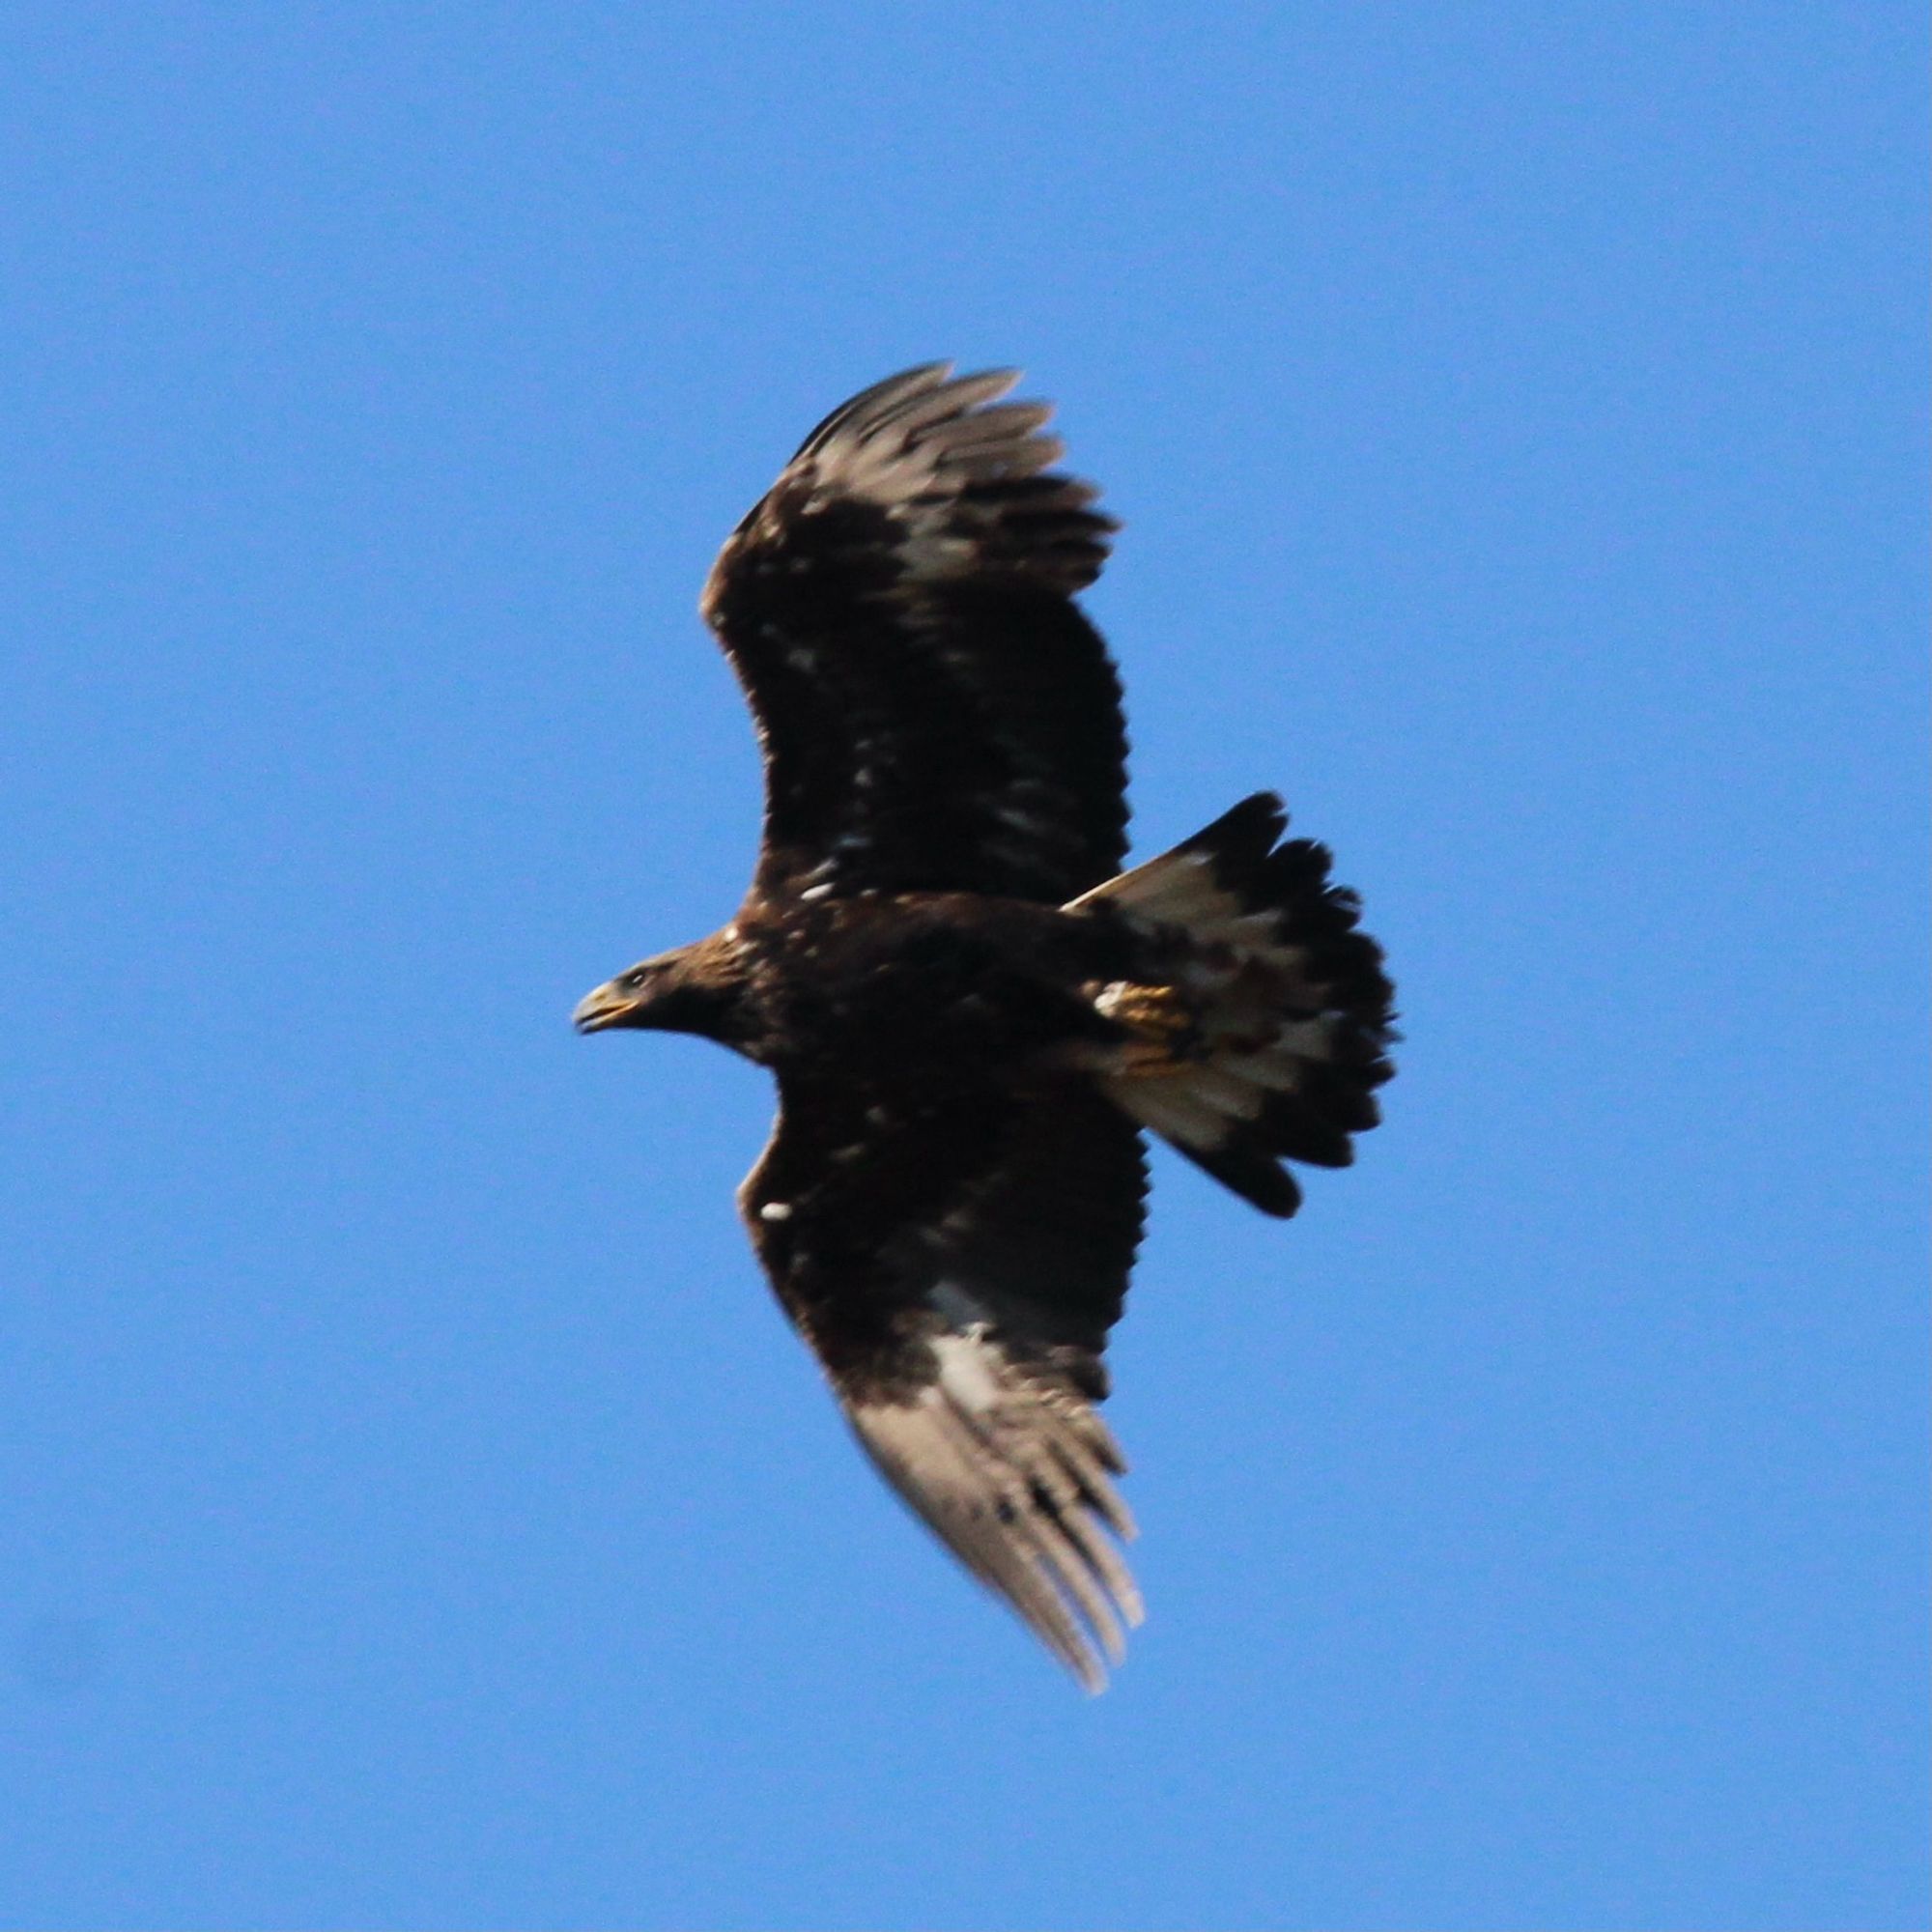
(956, 1261)
(935, 711)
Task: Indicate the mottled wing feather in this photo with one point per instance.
(956, 1263)
(936, 713)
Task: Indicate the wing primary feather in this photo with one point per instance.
(946, 399)
(989, 1516)
(997, 1466)
(1096, 1487)
(883, 395)
(1073, 1573)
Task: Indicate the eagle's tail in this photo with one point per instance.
(1261, 1035)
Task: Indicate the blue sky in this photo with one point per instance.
(415, 1512)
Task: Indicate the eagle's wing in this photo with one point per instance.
(936, 714)
(957, 1262)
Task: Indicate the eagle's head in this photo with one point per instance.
(698, 988)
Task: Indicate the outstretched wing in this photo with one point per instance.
(936, 713)
(956, 1263)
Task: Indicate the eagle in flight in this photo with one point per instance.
(972, 1010)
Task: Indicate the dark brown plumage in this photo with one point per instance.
(971, 1012)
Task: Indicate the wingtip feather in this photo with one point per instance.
(1004, 1472)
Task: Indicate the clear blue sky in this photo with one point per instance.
(414, 1512)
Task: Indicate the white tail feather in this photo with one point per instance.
(1165, 1104)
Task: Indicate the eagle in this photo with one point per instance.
(973, 1010)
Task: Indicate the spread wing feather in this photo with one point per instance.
(955, 1262)
(936, 713)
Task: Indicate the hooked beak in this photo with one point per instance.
(607, 1006)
